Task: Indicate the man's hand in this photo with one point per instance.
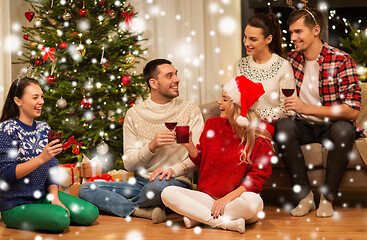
(295, 104)
(163, 172)
(161, 139)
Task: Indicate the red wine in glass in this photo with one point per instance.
(170, 125)
(288, 91)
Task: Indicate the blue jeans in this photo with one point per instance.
(122, 198)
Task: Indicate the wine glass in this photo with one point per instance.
(171, 126)
(287, 91)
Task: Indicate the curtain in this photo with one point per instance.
(202, 38)
(5, 54)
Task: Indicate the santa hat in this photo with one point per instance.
(245, 93)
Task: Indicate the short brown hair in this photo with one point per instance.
(308, 19)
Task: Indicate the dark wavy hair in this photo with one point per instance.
(269, 23)
(10, 109)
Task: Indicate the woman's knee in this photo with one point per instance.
(86, 213)
(167, 194)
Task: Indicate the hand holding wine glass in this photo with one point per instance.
(287, 91)
(163, 138)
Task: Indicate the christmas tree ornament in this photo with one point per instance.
(29, 15)
(129, 8)
(102, 2)
(25, 36)
(102, 148)
(127, 17)
(111, 13)
(131, 103)
(53, 21)
(51, 79)
(86, 103)
(33, 44)
(61, 103)
(130, 59)
(83, 12)
(63, 45)
(38, 62)
(48, 54)
(66, 16)
(81, 50)
(106, 63)
(126, 79)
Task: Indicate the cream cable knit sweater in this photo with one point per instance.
(143, 121)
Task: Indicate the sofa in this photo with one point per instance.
(315, 155)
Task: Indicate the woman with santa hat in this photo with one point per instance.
(234, 161)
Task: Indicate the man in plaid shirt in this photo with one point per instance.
(327, 104)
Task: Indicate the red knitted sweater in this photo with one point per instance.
(219, 158)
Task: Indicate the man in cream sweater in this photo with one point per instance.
(149, 146)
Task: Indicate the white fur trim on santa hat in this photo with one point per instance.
(242, 121)
(232, 91)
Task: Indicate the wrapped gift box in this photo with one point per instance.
(68, 174)
(90, 168)
(72, 189)
(121, 175)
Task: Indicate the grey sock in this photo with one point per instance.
(306, 205)
(159, 215)
(325, 208)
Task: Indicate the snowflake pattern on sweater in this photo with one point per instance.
(219, 161)
(18, 144)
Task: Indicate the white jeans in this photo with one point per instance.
(197, 206)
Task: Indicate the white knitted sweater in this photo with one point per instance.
(143, 121)
(274, 75)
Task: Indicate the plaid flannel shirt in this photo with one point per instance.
(338, 79)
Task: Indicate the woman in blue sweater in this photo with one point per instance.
(29, 196)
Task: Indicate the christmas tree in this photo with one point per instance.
(356, 45)
(84, 53)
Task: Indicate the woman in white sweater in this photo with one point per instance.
(262, 39)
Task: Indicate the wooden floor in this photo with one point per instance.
(348, 223)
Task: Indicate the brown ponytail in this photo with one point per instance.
(269, 23)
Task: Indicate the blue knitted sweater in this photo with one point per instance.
(19, 143)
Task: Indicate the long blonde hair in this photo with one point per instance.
(249, 134)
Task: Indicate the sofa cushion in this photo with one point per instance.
(354, 179)
(355, 161)
(210, 110)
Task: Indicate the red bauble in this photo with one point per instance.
(63, 45)
(86, 102)
(51, 79)
(38, 62)
(29, 15)
(121, 120)
(125, 79)
(102, 2)
(83, 12)
(25, 36)
(131, 103)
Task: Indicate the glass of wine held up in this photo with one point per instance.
(171, 126)
(287, 92)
